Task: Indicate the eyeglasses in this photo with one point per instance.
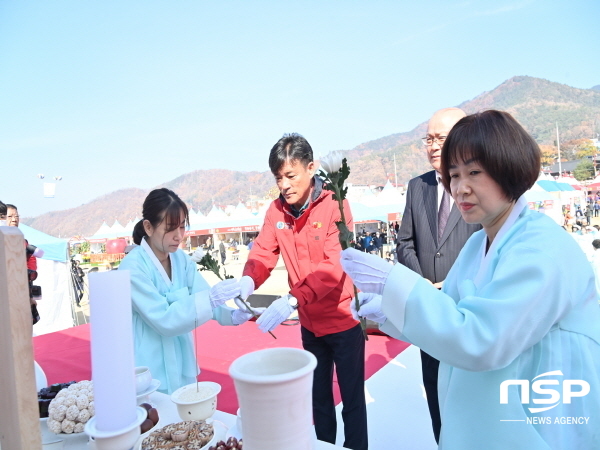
(428, 140)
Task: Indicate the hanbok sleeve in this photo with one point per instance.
(488, 327)
(201, 289)
(169, 315)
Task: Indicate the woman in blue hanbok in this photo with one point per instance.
(169, 297)
(516, 326)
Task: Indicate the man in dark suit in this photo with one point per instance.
(432, 234)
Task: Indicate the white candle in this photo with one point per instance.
(113, 368)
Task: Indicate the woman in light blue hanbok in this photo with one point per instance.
(516, 326)
(169, 297)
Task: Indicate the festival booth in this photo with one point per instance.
(366, 219)
(372, 210)
(545, 203)
(240, 225)
(54, 277)
(568, 196)
(105, 236)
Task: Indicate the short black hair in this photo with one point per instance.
(291, 147)
(500, 145)
(596, 243)
(9, 206)
(3, 209)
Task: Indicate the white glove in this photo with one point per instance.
(370, 307)
(223, 291)
(369, 272)
(198, 254)
(246, 288)
(239, 316)
(276, 313)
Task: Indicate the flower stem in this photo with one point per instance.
(345, 244)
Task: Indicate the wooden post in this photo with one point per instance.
(19, 416)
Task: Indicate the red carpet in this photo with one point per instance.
(65, 355)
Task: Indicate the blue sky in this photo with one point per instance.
(114, 94)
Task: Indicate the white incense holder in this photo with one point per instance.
(123, 439)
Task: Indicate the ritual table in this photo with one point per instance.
(167, 411)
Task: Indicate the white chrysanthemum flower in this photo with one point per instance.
(332, 162)
(198, 254)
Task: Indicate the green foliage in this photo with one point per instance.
(210, 264)
(585, 149)
(334, 181)
(584, 171)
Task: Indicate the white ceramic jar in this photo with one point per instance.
(274, 388)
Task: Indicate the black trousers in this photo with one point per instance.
(346, 350)
(429, 367)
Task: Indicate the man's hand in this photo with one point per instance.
(276, 313)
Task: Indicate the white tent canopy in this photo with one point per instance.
(104, 229)
(117, 228)
(216, 214)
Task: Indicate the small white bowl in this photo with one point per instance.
(200, 408)
(143, 378)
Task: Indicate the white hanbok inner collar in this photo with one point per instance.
(157, 263)
(520, 204)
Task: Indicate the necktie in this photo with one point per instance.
(443, 214)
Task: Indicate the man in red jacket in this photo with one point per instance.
(300, 225)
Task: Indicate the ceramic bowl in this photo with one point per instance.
(196, 401)
(143, 378)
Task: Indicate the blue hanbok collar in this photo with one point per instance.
(157, 263)
(486, 258)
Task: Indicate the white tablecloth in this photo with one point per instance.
(167, 414)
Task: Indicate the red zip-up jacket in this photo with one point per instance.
(311, 251)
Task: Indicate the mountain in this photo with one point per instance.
(198, 189)
(536, 103)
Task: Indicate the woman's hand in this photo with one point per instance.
(239, 316)
(369, 272)
(223, 291)
(370, 308)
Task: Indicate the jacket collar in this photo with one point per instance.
(317, 190)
